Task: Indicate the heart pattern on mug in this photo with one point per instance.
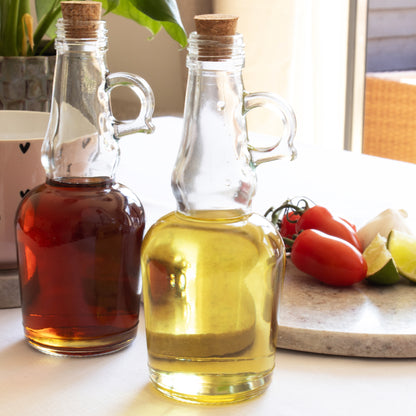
(23, 193)
(24, 147)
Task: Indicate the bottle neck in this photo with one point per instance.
(213, 171)
(79, 141)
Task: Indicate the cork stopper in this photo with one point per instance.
(216, 24)
(217, 31)
(81, 18)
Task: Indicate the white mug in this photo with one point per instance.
(21, 137)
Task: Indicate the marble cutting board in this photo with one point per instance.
(362, 320)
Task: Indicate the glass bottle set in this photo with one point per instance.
(212, 270)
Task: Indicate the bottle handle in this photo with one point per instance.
(143, 122)
(282, 109)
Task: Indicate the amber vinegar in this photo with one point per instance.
(210, 290)
(78, 256)
(79, 234)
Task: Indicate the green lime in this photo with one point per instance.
(402, 247)
(381, 268)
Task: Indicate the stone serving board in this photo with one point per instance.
(362, 320)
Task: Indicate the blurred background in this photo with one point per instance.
(316, 54)
(297, 49)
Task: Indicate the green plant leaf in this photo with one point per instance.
(152, 14)
(112, 4)
(167, 12)
(162, 10)
(126, 9)
(10, 38)
(24, 7)
(47, 12)
(46, 23)
(44, 6)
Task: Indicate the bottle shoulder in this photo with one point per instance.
(178, 240)
(210, 217)
(176, 225)
(107, 199)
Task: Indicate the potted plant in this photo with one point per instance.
(27, 53)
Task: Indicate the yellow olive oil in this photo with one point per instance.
(210, 288)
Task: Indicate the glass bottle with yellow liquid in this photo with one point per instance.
(212, 269)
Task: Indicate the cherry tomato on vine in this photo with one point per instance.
(287, 227)
(327, 258)
(319, 218)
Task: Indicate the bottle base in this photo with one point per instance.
(210, 389)
(78, 347)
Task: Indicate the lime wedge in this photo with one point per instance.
(402, 247)
(381, 268)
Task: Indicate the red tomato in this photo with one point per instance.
(353, 226)
(288, 226)
(327, 258)
(319, 218)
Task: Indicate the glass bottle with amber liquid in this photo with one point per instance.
(79, 234)
(212, 270)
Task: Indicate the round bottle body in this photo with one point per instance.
(79, 262)
(210, 292)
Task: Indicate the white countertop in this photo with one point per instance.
(354, 186)
(303, 384)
